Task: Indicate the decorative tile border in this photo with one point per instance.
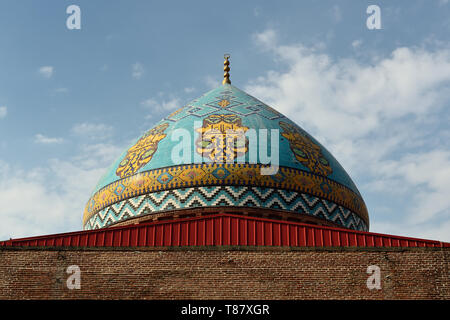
(231, 196)
(215, 174)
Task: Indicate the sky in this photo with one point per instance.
(72, 100)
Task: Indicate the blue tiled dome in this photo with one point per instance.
(214, 169)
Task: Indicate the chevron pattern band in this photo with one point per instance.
(216, 196)
(213, 174)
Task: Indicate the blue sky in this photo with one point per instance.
(72, 100)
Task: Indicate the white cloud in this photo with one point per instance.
(3, 111)
(385, 120)
(46, 71)
(150, 103)
(97, 155)
(356, 43)
(267, 39)
(51, 199)
(212, 82)
(162, 106)
(427, 174)
(189, 90)
(137, 70)
(40, 138)
(331, 94)
(44, 201)
(97, 131)
(439, 232)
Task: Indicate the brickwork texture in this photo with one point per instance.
(224, 273)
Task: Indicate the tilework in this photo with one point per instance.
(216, 196)
(142, 152)
(306, 151)
(224, 174)
(236, 109)
(219, 136)
(147, 167)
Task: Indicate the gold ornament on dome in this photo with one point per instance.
(142, 152)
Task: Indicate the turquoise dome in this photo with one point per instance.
(187, 160)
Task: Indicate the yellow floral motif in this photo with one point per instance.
(223, 103)
(142, 152)
(222, 138)
(306, 152)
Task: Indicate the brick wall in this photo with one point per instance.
(224, 273)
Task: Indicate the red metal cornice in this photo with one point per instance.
(221, 230)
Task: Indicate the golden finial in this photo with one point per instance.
(226, 68)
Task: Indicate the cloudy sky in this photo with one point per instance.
(71, 100)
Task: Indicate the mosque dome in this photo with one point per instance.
(220, 151)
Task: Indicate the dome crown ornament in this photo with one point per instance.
(226, 69)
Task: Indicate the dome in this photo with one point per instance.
(216, 152)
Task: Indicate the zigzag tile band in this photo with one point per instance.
(213, 174)
(215, 196)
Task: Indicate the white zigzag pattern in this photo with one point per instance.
(99, 224)
(89, 225)
(310, 203)
(96, 226)
(356, 218)
(240, 191)
(299, 204)
(117, 207)
(329, 208)
(286, 197)
(196, 198)
(223, 197)
(262, 195)
(146, 206)
(275, 200)
(126, 211)
(155, 197)
(172, 202)
(351, 224)
(103, 213)
(136, 202)
(211, 193)
(345, 212)
(184, 195)
(320, 210)
(117, 211)
(338, 217)
(248, 198)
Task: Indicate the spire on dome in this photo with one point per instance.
(226, 68)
